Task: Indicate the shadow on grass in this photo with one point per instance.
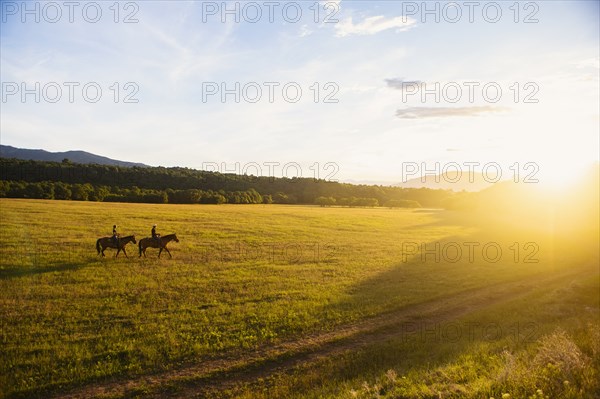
(439, 283)
(456, 324)
(469, 348)
(9, 272)
(22, 263)
(403, 285)
(437, 273)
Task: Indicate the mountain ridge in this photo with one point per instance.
(475, 182)
(77, 156)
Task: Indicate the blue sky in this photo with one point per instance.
(372, 57)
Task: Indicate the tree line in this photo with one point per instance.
(91, 182)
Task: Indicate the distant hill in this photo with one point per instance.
(475, 182)
(83, 157)
(92, 182)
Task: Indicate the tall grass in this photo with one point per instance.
(241, 278)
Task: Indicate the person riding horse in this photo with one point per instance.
(155, 236)
(115, 236)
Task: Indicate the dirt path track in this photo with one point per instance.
(199, 379)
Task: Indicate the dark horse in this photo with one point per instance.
(161, 243)
(109, 242)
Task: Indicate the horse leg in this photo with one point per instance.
(125, 252)
(169, 252)
(159, 251)
(103, 248)
(118, 250)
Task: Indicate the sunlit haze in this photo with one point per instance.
(369, 84)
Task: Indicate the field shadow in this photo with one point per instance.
(7, 273)
(423, 321)
(455, 284)
(423, 272)
(456, 263)
(33, 264)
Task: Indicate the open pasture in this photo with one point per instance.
(283, 301)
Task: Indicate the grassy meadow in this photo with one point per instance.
(294, 301)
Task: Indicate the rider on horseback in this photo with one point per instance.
(155, 236)
(115, 236)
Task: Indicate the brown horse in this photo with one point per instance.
(109, 242)
(160, 242)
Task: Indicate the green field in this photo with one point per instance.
(294, 301)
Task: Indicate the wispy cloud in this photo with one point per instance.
(443, 112)
(373, 25)
(171, 53)
(305, 31)
(401, 84)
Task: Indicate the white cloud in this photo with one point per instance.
(336, 2)
(373, 25)
(443, 112)
(170, 53)
(305, 31)
(401, 84)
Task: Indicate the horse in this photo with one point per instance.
(108, 242)
(160, 242)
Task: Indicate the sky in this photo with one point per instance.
(362, 91)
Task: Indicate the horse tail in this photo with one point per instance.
(98, 245)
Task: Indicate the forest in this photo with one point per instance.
(91, 182)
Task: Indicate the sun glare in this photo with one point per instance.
(559, 176)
